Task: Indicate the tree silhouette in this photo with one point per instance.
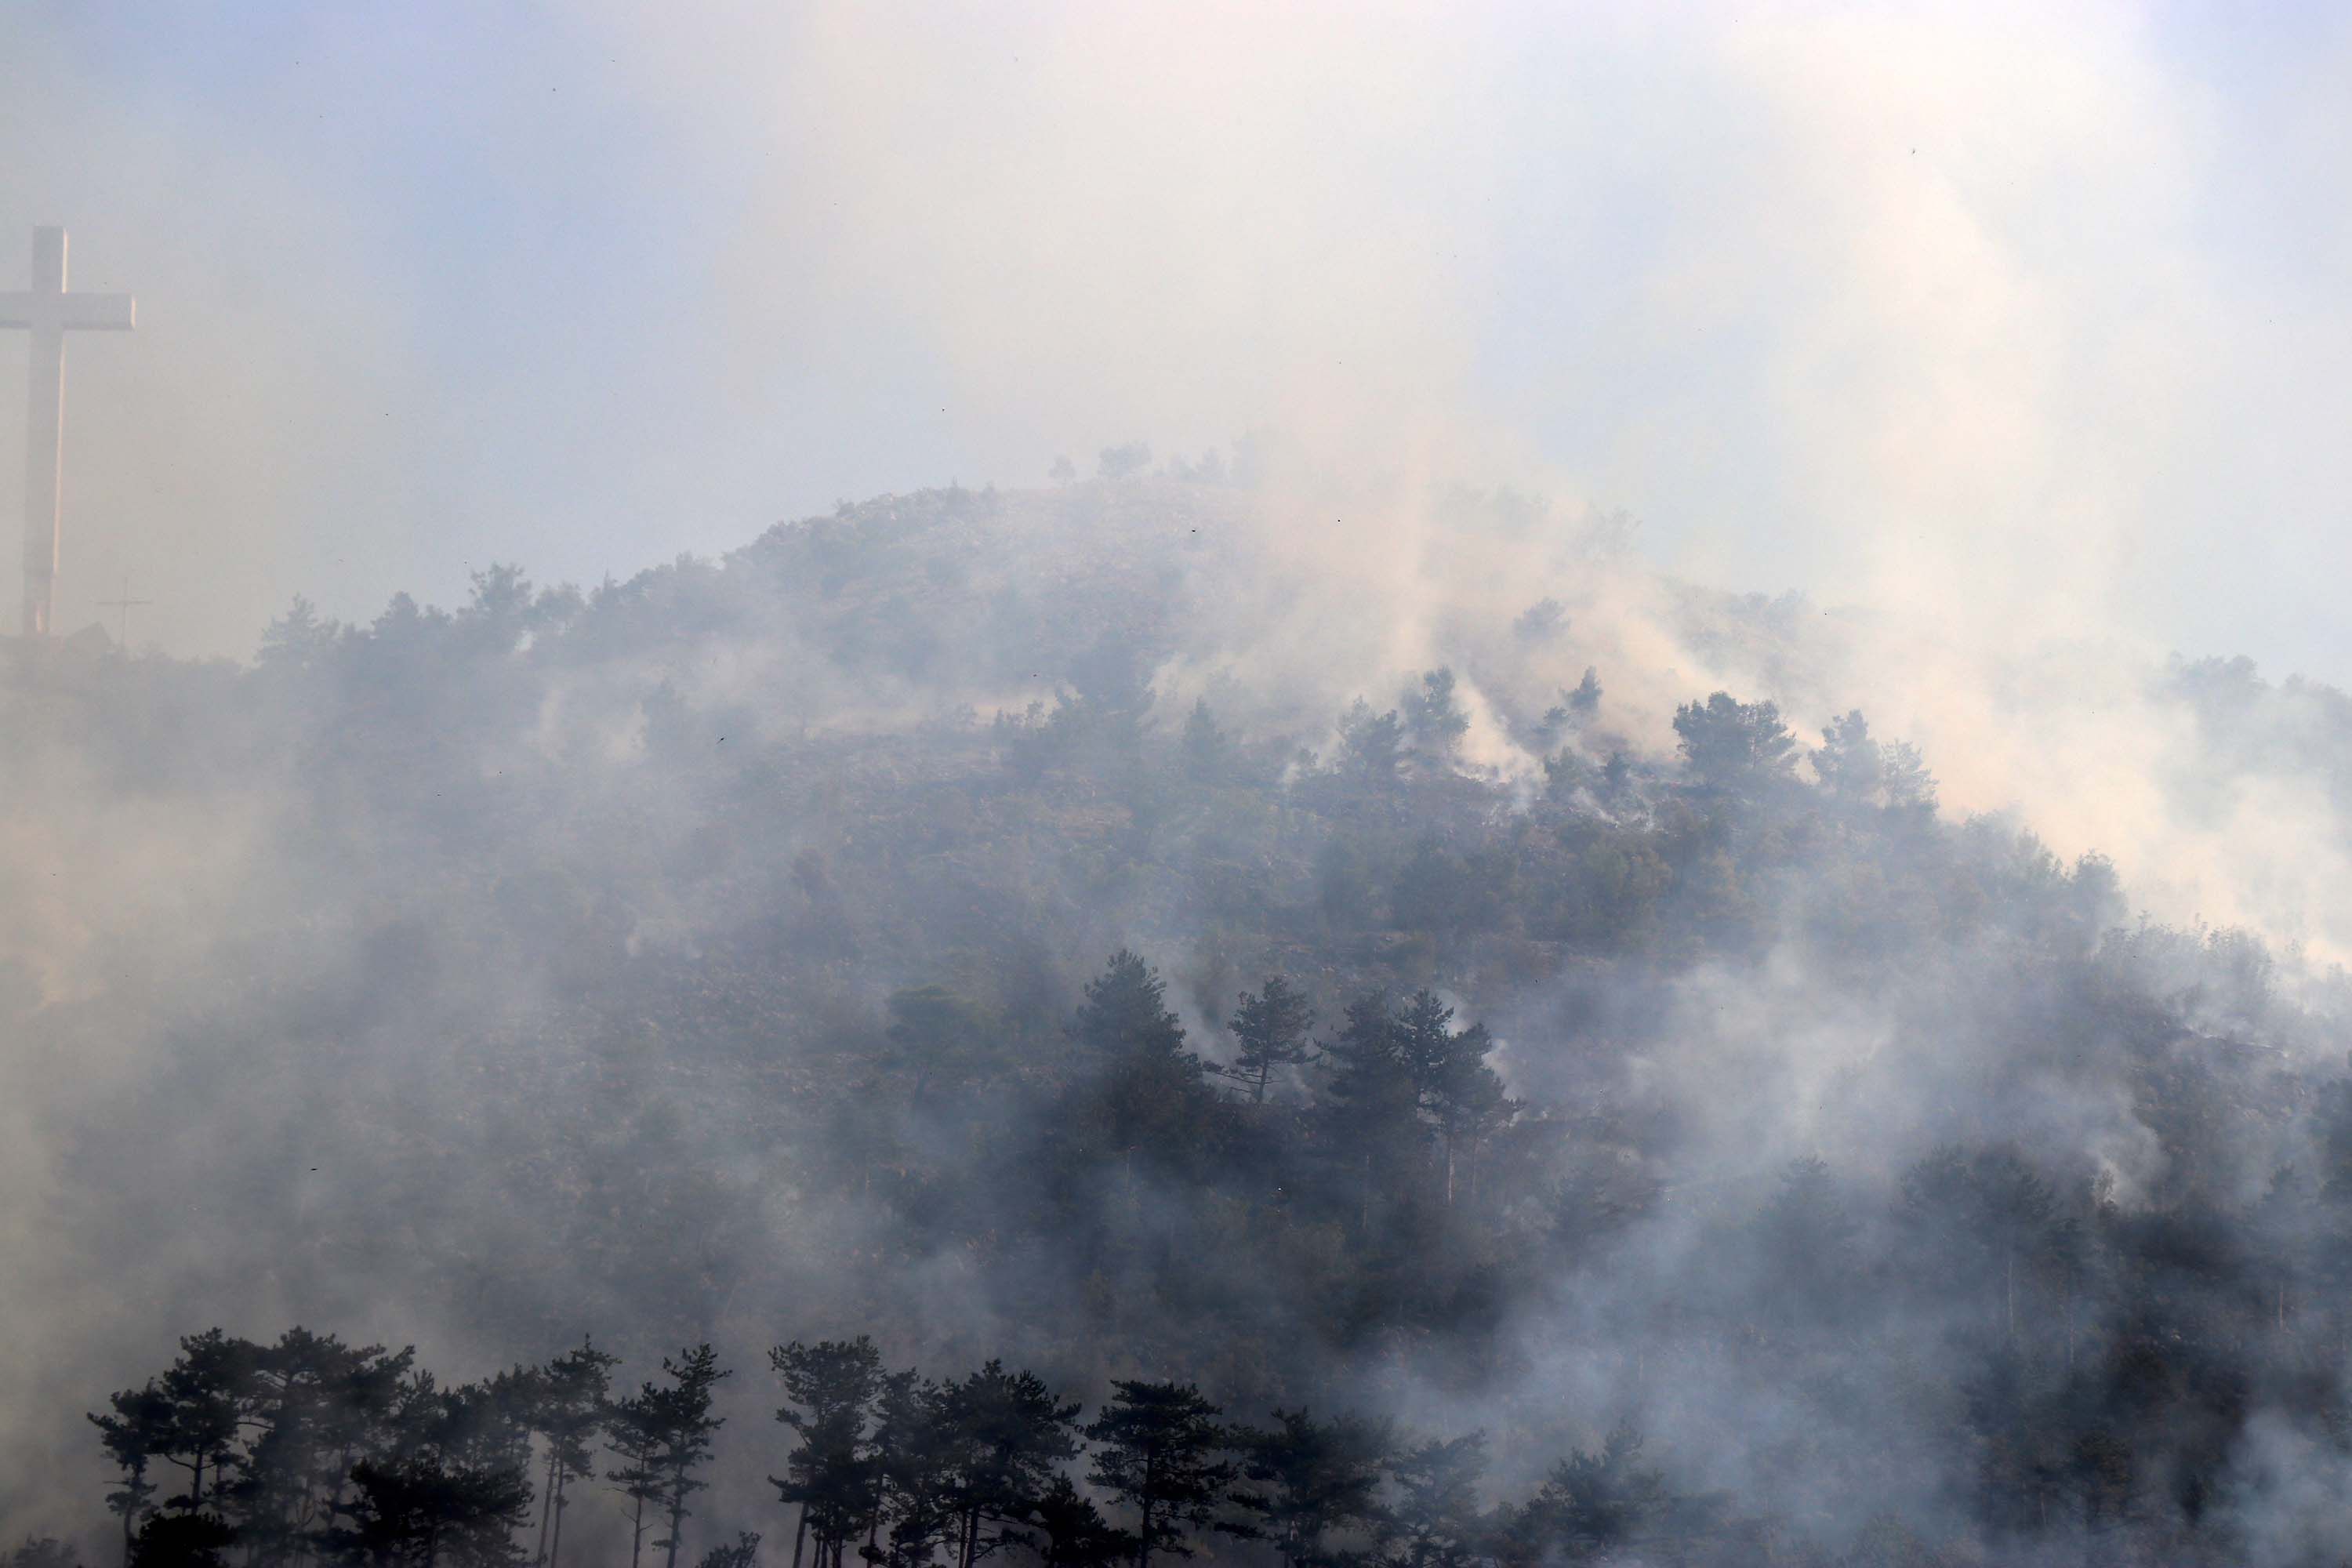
(1074, 1532)
(632, 1436)
(1591, 1503)
(1438, 1520)
(1156, 1447)
(1011, 1435)
(1733, 745)
(743, 1552)
(1458, 1094)
(910, 1473)
(830, 1389)
(185, 1539)
(1371, 1103)
(1310, 1478)
(450, 1482)
(1371, 745)
(204, 1390)
(1272, 1028)
(678, 1427)
(1433, 719)
(1125, 1014)
(425, 1510)
(1140, 1100)
(572, 1403)
(137, 1431)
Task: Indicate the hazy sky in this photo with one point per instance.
(2037, 319)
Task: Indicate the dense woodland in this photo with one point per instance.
(1076, 1101)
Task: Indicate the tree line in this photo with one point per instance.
(308, 1450)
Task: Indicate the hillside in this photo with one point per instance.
(732, 954)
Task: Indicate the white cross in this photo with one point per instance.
(51, 313)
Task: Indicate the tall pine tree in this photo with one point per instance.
(1157, 1453)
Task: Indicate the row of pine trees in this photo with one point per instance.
(311, 1451)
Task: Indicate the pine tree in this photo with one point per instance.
(632, 1436)
(448, 1484)
(1142, 1099)
(909, 1474)
(679, 1422)
(830, 1389)
(1434, 717)
(1585, 700)
(1272, 1028)
(427, 1509)
(206, 1388)
(1371, 745)
(1125, 1014)
(1734, 746)
(313, 1403)
(1075, 1532)
(136, 1432)
(743, 1552)
(1847, 760)
(1437, 1518)
(1458, 1094)
(183, 1539)
(1371, 1103)
(574, 1395)
(1591, 1503)
(1156, 1454)
(1310, 1478)
(1011, 1434)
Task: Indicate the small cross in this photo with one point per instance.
(49, 312)
(125, 604)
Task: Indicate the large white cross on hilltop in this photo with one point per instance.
(51, 313)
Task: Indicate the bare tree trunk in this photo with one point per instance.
(547, 1501)
(800, 1534)
(555, 1543)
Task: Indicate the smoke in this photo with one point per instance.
(1959, 365)
(1996, 318)
(2013, 327)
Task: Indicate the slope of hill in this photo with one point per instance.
(708, 955)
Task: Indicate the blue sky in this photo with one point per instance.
(2034, 317)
